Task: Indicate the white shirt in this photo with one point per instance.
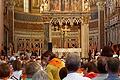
(75, 76)
(16, 75)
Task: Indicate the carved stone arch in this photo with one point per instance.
(54, 21)
(77, 22)
(55, 24)
(77, 19)
(66, 21)
(63, 22)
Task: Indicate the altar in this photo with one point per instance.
(65, 51)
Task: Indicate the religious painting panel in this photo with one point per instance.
(55, 5)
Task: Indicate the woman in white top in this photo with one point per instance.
(17, 73)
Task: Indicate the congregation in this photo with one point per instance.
(49, 67)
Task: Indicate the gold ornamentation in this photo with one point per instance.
(85, 19)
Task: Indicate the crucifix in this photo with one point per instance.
(64, 32)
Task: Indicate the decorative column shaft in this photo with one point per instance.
(85, 36)
(46, 35)
(1, 24)
(85, 28)
(50, 33)
(100, 5)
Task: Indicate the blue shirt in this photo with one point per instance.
(112, 76)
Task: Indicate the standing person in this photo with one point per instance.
(30, 69)
(113, 65)
(107, 52)
(91, 70)
(101, 66)
(54, 67)
(40, 75)
(73, 64)
(63, 72)
(115, 50)
(4, 71)
(17, 73)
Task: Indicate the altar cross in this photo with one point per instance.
(65, 30)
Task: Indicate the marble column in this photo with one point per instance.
(1, 24)
(101, 8)
(50, 33)
(79, 37)
(46, 35)
(85, 37)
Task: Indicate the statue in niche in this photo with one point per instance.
(86, 6)
(54, 5)
(66, 5)
(35, 3)
(19, 3)
(44, 6)
(75, 5)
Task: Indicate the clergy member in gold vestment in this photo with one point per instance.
(53, 68)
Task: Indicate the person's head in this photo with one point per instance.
(63, 72)
(48, 55)
(113, 65)
(115, 48)
(91, 67)
(40, 75)
(31, 68)
(52, 56)
(101, 65)
(119, 46)
(4, 70)
(16, 65)
(107, 51)
(72, 62)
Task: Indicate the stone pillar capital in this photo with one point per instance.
(101, 4)
(85, 19)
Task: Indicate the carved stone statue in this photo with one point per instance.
(66, 5)
(76, 5)
(36, 3)
(44, 6)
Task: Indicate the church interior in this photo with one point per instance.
(59, 39)
(58, 25)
